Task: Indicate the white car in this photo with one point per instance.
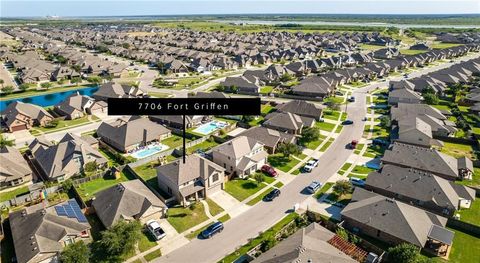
(155, 229)
(310, 165)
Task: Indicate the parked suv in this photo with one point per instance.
(313, 187)
(272, 195)
(212, 230)
(155, 229)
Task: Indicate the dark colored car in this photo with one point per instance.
(269, 170)
(347, 122)
(351, 99)
(211, 230)
(272, 195)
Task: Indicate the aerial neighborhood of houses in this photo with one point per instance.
(368, 142)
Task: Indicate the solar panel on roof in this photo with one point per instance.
(60, 211)
(69, 210)
(81, 218)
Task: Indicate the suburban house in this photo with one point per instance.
(392, 221)
(309, 244)
(77, 106)
(240, 156)
(302, 108)
(317, 87)
(404, 96)
(58, 162)
(39, 234)
(117, 90)
(287, 122)
(195, 179)
(14, 169)
(129, 133)
(421, 189)
(23, 116)
(414, 131)
(241, 85)
(268, 137)
(176, 121)
(429, 160)
(131, 200)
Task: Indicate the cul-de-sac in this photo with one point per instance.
(367, 147)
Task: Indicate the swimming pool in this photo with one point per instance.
(150, 150)
(210, 127)
(51, 98)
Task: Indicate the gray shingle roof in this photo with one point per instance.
(13, 166)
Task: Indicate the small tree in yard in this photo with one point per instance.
(258, 178)
(431, 99)
(310, 134)
(77, 252)
(121, 238)
(46, 85)
(403, 253)
(268, 243)
(23, 87)
(91, 166)
(7, 89)
(342, 233)
(385, 121)
(288, 149)
(67, 185)
(342, 187)
(332, 105)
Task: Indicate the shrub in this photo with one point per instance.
(91, 166)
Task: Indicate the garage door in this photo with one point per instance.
(19, 127)
(215, 189)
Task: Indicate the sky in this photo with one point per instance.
(76, 8)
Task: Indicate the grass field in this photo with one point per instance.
(184, 218)
(242, 189)
(89, 189)
(325, 126)
(283, 163)
(458, 150)
(7, 195)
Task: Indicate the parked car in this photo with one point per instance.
(211, 230)
(310, 165)
(155, 229)
(272, 195)
(380, 142)
(351, 99)
(357, 181)
(269, 170)
(347, 122)
(353, 144)
(313, 187)
(338, 93)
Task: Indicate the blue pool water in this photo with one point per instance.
(149, 151)
(209, 127)
(50, 99)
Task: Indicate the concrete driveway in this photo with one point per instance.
(231, 205)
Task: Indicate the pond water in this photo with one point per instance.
(50, 99)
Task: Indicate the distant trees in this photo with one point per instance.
(404, 253)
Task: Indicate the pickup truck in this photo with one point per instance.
(310, 165)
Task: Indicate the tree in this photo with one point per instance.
(67, 185)
(46, 85)
(268, 243)
(75, 80)
(23, 86)
(259, 178)
(247, 118)
(94, 79)
(342, 233)
(8, 89)
(333, 105)
(431, 99)
(126, 45)
(77, 252)
(121, 238)
(288, 149)
(91, 166)
(286, 77)
(403, 253)
(342, 187)
(4, 142)
(310, 134)
(385, 121)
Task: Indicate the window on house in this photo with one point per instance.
(215, 177)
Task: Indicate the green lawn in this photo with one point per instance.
(4, 196)
(465, 248)
(89, 189)
(374, 151)
(472, 214)
(313, 144)
(331, 114)
(159, 94)
(214, 208)
(345, 166)
(146, 241)
(360, 169)
(266, 89)
(112, 160)
(184, 218)
(370, 47)
(204, 146)
(65, 124)
(342, 199)
(259, 197)
(146, 171)
(444, 45)
(339, 129)
(322, 190)
(266, 109)
(411, 52)
(325, 126)
(326, 145)
(458, 150)
(224, 218)
(256, 121)
(283, 163)
(173, 141)
(153, 255)
(242, 189)
(278, 184)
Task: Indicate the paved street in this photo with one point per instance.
(260, 217)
